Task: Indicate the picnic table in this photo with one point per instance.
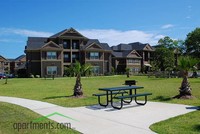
(121, 93)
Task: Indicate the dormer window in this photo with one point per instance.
(51, 55)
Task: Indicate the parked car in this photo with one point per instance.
(10, 75)
(2, 76)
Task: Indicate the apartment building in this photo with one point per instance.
(3, 64)
(12, 66)
(136, 56)
(50, 55)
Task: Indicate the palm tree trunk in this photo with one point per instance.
(185, 90)
(185, 87)
(78, 86)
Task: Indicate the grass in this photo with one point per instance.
(184, 124)
(59, 92)
(11, 115)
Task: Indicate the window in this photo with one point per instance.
(133, 61)
(52, 70)
(96, 69)
(94, 55)
(66, 56)
(73, 56)
(51, 55)
(6, 63)
(66, 44)
(75, 44)
(135, 70)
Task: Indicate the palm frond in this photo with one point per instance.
(186, 63)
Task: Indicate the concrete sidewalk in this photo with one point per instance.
(99, 120)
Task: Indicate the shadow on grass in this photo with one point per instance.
(196, 127)
(162, 98)
(196, 108)
(56, 97)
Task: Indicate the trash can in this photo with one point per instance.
(130, 82)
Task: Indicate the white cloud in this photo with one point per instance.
(167, 26)
(159, 36)
(115, 37)
(11, 41)
(110, 36)
(25, 32)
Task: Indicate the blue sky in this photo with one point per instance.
(110, 21)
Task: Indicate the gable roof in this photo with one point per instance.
(70, 30)
(35, 43)
(140, 46)
(137, 45)
(1, 57)
(51, 43)
(125, 54)
(131, 46)
(90, 42)
(124, 47)
(106, 46)
(133, 54)
(20, 57)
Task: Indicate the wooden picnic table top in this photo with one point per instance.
(121, 88)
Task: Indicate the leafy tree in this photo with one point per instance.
(167, 42)
(180, 46)
(163, 58)
(176, 45)
(192, 43)
(185, 64)
(78, 70)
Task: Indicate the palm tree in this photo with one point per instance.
(79, 69)
(185, 64)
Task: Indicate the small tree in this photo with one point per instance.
(113, 70)
(6, 82)
(185, 64)
(128, 72)
(78, 70)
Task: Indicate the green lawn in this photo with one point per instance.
(13, 120)
(59, 92)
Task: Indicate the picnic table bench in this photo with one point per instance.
(121, 93)
(105, 94)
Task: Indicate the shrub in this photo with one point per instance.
(32, 76)
(37, 76)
